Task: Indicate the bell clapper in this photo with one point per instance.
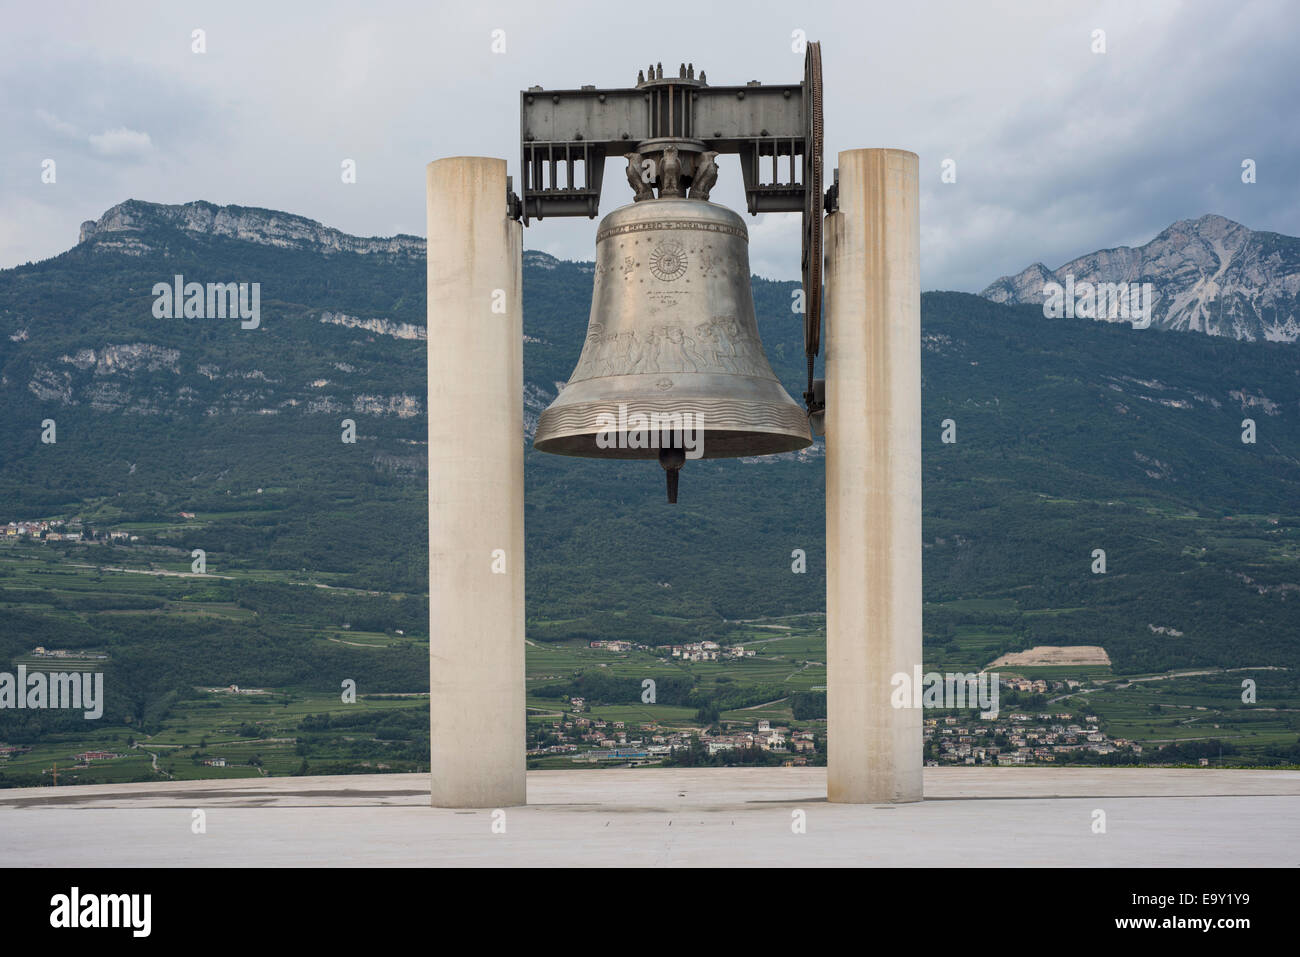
(672, 461)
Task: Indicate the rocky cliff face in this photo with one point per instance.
(384, 327)
(347, 339)
(129, 227)
(345, 336)
(1209, 275)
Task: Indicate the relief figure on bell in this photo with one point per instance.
(748, 349)
(587, 362)
(714, 334)
(619, 348)
(680, 352)
(647, 357)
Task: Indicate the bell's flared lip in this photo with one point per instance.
(636, 427)
(713, 444)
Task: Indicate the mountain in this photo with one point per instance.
(1072, 435)
(1209, 275)
(133, 228)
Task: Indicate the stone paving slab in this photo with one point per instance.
(671, 817)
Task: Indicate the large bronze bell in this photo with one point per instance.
(672, 366)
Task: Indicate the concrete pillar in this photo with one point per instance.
(873, 478)
(476, 487)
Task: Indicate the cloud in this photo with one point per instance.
(52, 122)
(121, 142)
(1060, 151)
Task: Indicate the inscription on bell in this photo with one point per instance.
(667, 298)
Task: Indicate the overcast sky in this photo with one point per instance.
(1058, 150)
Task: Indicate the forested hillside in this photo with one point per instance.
(1070, 436)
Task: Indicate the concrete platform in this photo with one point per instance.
(671, 817)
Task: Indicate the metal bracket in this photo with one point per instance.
(815, 400)
(566, 135)
(514, 208)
